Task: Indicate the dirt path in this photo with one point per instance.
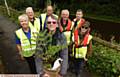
(8, 49)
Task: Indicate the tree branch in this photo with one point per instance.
(106, 43)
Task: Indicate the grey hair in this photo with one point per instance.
(65, 10)
(23, 16)
(28, 9)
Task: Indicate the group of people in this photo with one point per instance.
(74, 34)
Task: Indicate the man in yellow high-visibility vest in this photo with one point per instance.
(44, 16)
(34, 22)
(65, 25)
(58, 39)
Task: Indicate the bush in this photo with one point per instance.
(13, 13)
(104, 61)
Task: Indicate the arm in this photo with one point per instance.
(39, 62)
(19, 48)
(89, 50)
(18, 44)
(64, 56)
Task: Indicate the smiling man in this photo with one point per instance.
(58, 39)
(34, 22)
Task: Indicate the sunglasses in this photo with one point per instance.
(53, 22)
(84, 27)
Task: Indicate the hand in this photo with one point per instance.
(85, 59)
(46, 75)
(59, 75)
(21, 57)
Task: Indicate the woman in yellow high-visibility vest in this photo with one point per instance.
(82, 47)
(25, 41)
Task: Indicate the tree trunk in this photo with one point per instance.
(7, 7)
(106, 43)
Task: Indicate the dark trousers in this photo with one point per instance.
(31, 63)
(78, 65)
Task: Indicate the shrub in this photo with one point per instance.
(105, 61)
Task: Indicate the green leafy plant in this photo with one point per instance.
(50, 51)
(104, 61)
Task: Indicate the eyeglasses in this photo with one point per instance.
(84, 27)
(53, 22)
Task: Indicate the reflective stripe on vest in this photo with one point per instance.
(80, 23)
(43, 17)
(67, 32)
(68, 36)
(68, 27)
(36, 24)
(28, 49)
(81, 51)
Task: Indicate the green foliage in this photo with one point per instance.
(105, 61)
(13, 13)
(49, 2)
(93, 7)
(22, 4)
(50, 52)
(99, 8)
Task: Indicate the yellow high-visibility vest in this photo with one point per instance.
(36, 24)
(67, 32)
(43, 17)
(68, 36)
(81, 51)
(28, 48)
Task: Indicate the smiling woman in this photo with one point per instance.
(25, 45)
(24, 21)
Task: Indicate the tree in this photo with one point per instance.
(50, 52)
(7, 7)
